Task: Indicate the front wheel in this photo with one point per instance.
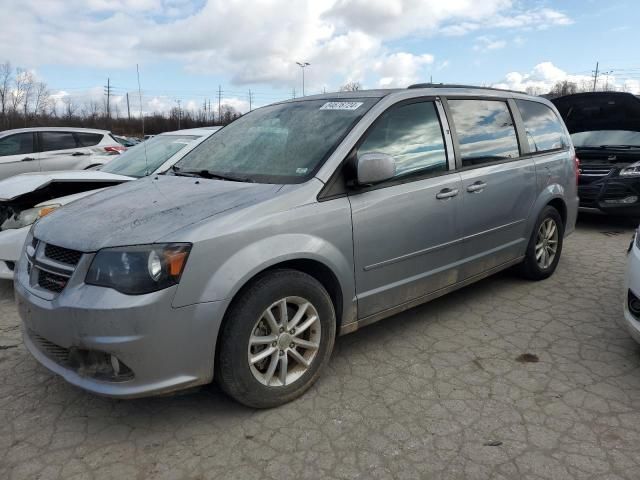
(545, 246)
(276, 339)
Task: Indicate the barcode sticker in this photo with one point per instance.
(340, 105)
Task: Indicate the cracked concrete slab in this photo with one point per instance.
(503, 379)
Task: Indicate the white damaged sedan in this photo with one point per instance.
(27, 197)
(631, 319)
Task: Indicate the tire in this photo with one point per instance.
(533, 267)
(247, 319)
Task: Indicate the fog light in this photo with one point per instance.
(622, 201)
(115, 364)
(634, 304)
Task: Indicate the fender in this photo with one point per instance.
(237, 270)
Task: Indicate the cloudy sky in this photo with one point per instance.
(186, 49)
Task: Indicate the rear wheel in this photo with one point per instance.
(276, 339)
(545, 246)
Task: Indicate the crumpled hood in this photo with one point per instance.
(588, 112)
(144, 211)
(13, 187)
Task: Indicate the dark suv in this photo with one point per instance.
(605, 129)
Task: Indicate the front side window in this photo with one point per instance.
(282, 143)
(57, 141)
(542, 127)
(412, 135)
(485, 131)
(144, 158)
(18, 144)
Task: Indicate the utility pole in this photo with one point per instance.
(293, 92)
(219, 104)
(595, 76)
(107, 92)
(250, 100)
(303, 65)
(128, 109)
(178, 114)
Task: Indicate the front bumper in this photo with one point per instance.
(632, 283)
(608, 194)
(165, 348)
(11, 243)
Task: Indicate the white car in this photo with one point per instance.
(631, 319)
(45, 149)
(27, 197)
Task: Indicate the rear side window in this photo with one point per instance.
(543, 128)
(485, 131)
(88, 139)
(412, 135)
(57, 141)
(18, 144)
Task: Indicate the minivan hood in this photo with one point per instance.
(13, 187)
(589, 112)
(145, 211)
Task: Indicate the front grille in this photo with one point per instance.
(51, 281)
(55, 352)
(87, 363)
(595, 170)
(50, 267)
(589, 195)
(62, 255)
(616, 190)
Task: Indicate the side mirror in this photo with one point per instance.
(375, 168)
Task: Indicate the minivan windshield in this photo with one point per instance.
(606, 138)
(144, 158)
(283, 143)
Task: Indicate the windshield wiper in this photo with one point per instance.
(609, 147)
(209, 175)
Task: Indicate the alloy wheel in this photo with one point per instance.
(546, 243)
(284, 342)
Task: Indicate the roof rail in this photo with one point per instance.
(445, 85)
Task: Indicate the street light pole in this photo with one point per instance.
(303, 65)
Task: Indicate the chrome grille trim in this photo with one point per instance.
(50, 274)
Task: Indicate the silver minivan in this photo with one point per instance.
(297, 222)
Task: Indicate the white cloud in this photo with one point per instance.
(545, 75)
(401, 69)
(253, 41)
(486, 43)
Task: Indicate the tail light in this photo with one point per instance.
(576, 164)
(115, 149)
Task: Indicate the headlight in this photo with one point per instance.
(28, 216)
(139, 269)
(632, 170)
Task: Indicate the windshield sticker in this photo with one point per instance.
(301, 171)
(340, 105)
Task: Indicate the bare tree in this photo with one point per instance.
(5, 86)
(564, 87)
(42, 98)
(351, 87)
(17, 94)
(28, 87)
(69, 107)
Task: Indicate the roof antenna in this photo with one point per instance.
(146, 161)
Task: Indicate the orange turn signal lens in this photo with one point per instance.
(175, 261)
(44, 211)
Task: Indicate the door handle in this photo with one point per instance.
(28, 159)
(476, 187)
(446, 193)
(77, 154)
